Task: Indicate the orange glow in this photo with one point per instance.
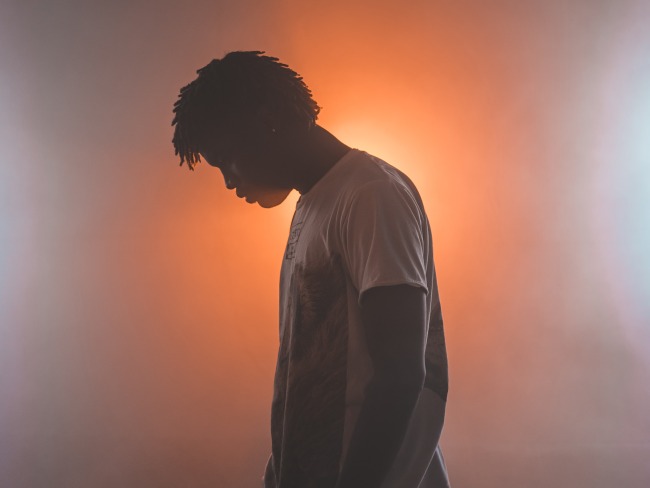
(138, 300)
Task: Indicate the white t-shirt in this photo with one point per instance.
(360, 226)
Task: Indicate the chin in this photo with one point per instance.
(270, 200)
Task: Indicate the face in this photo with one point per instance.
(248, 168)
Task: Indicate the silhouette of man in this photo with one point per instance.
(361, 377)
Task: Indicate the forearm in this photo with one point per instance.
(378, 433)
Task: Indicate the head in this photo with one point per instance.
(240, 115)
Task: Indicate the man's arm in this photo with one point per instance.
(395, 328)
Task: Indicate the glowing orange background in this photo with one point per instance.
(138, 301)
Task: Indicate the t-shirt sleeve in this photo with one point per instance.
(383, 237)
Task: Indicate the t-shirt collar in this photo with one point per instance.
(323, 182)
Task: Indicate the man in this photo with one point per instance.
(361, 376)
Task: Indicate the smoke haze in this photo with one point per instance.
(138, 300)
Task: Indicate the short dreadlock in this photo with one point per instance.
(238, 84)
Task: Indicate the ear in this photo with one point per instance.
(268, 121)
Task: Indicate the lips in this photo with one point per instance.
(240, 193)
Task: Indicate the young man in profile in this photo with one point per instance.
(361, 377)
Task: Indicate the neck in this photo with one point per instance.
(319, 151)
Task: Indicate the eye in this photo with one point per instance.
(226, 155)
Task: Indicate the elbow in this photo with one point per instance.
(414, 385)
(405, 384)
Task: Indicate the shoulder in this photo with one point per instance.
(367, 178)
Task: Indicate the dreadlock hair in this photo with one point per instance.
(234, 87)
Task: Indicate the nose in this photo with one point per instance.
(229, 178)
(230, 184)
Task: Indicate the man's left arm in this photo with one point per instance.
(396, 329)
